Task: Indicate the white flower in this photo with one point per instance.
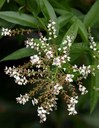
(74, 100)
(82, 89)
(21, 80)
(57, 62)
(92, 43)
(34, 101)
(85, 70)
(57, 89)
(35, 59)
(71, 106)
(49, 54)
(22, 99)
(75, 68)
(97, 66)
(63, 59)
(59, 49)
(5, 32)
(51, 29)
(69, 77)
(42, 114)
(15, 73)
(29, 43)
(71, 109)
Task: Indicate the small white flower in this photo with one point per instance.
(15, 73)
(34, 101)
(71, 105)
(64, 69)
(92, 43)
(5, 32)
(51, 29)
(63, 59)
(75, 68)
(97, 66)
(57, 89)
(59, 49)
(49, 54)
(42, 114)
(69, 77)
(35, 59)
(57, 62)
(71, 109)
(82, 89)
(30, 43)
(74, 100)
(22, 99)
(85, 70)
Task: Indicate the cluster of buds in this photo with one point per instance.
(16, 74)
(51, 72)
(51, 29)
(5, 32)
(9, 32)
(93, 46)
(71, 106)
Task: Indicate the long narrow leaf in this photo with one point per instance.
(2, 3)
(64, 19)
(19, 54)
(48, 12)
(77, 50)
(82, 31)
(19, 18)
(48, 9)
(93, 15)
(72, 31)
(93, 93)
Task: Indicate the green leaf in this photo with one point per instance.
(4, 23)
(57, 4)
(72, 31)
(62, 11)
(82, 31)
(33, 7)
(19, 18)
(92, 16)
(93, 92)
(77, 12)
(19, 54)
(2, 3)
(64, 19)
(47, 10)
(77, 50)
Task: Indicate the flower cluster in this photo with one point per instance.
(35, 59)
(92, 43)
(22, 99)
(69, 78)
(16, 74)
(71, 106)
(9, 32)
(82, 89)
(5, 32)
(50, 70)
(57, 89)
(42, 114)
(93, 47)
(51, 29)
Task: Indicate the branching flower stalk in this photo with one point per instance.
(50, 72)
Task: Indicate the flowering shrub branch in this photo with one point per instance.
(50, 70)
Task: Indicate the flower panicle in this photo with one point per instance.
(50, 70)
